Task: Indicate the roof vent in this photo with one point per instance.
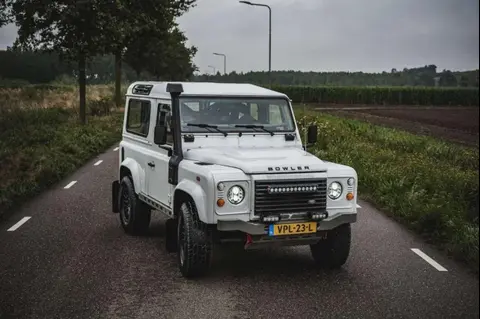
(142, 89)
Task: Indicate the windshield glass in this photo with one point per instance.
(229, 113)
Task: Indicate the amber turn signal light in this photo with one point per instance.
(350, 196)
(220, 202)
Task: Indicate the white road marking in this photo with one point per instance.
(98, 163)
(70, 184)
(20, 223)
(429, 260)
(115, 149)
(358, 206)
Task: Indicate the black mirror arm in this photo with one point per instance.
(167, 148)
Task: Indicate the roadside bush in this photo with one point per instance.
(429, 185)
(40, 146)
(101, 107)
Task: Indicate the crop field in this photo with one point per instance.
(456, 124)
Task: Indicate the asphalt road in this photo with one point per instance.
(71, 259)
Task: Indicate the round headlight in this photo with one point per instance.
(351, 181)
(335, 190)
(235, 195)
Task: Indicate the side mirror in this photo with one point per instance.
(160, 135)
(312, 134)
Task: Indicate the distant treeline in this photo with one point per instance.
(36, 68)
(422, 76)
(30, 67)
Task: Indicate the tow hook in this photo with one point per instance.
(248, 241)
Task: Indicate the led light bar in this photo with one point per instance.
(319, 216)
(271, 219)
(293, 189)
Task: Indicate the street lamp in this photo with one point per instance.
(214, 70)
(224, 61)
(269, 34)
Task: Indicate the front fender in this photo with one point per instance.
(198, 195)
(137, 173)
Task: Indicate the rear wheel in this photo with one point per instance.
(333, 251)
(134, 214)
(194, 242)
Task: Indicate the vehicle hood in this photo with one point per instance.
(258, 160)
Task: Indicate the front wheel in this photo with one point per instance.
(194, 242)
(333, 251)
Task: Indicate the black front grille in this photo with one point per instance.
(290, 196)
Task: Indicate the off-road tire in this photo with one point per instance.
(333, 252)
(195, 243)
(134, 214)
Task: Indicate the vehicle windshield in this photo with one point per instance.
(235, 114)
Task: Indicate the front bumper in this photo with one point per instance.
(254, 228)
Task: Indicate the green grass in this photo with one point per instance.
(429, 185)
(40, 146)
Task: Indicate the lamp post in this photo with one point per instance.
(224, 61)
(269, 34)
(214, 70)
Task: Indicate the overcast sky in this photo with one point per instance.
(331, 35)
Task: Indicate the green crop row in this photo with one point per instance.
(381, 95)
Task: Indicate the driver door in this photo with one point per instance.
(159, 188)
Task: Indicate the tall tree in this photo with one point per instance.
(5, 12)
(133, 21)
(164, 55)
(71, 28)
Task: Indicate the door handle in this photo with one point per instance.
(151, 164)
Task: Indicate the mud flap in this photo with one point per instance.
(115, 196)
(171, 235)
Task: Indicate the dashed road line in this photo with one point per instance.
(20, 223)
(429, 260)
(70, 184)
(98, 163)
(115, 149)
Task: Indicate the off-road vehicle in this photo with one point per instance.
(225, 162)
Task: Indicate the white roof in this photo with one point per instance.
(159, 89)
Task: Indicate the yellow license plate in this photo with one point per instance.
(292, 229)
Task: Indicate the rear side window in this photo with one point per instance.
(138, 117)
(164, 118)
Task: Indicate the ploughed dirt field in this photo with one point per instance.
(457, 124)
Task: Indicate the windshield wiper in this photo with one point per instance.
(254, 127)
(203, 125)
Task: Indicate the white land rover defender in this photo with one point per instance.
(225, 162)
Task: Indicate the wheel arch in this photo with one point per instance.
(187, 190)
(130, 168)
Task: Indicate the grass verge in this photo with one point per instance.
(40, 146)
(429, 185)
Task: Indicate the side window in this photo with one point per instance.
(138, 117)
(164, 117)
(275, 115)
(254, 110)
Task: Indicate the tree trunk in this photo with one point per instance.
(82, 83)
(118, 78)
